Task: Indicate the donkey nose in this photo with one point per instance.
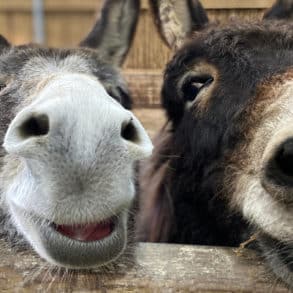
(133, 133)
(280, 166)
(30, 130)
(27, 131)
(78, 109)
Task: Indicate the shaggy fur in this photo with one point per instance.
(23, 67)
(190, 189)
(71, 145)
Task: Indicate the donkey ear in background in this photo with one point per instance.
(175, 20)
(113, 32)
(282, 9)
(3, 43)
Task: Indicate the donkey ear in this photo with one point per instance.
(282, 9)
(3, 43)
(113, 32)
(177, 19)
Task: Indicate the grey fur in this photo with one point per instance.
(113, 33)
(24, 70)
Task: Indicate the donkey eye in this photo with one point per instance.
(2, 86)
(194, 85)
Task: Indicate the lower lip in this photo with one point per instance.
(86, 232)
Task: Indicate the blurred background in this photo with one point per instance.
(63, 23)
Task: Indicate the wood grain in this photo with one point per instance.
(145, 86)
(159, 268)
(67, 22)
(237, 4)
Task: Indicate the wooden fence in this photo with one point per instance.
(67, 21)
(159, 268)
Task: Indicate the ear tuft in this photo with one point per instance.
(175, 20)
(113, 32)
(282, 9)
(3, 43)
(198, 15)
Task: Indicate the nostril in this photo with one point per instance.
(36, 125)
(279, 169)
(284, 159)
(134, 137)
(129, 131)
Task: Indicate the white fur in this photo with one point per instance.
(273, 217)
(258, 206)
(82, 170)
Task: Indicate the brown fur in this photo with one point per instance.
(214, 187)
(156, 200)
(245, 159)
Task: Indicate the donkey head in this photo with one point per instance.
(67, 179)
(225, 161)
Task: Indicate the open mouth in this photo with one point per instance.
(76, 246)
(86, 232)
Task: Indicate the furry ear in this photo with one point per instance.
(177, 19)
(3, 43)
(282, 9)
(113, 32)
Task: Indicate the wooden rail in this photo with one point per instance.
(145, 86)
(237, 4)
(159, 268)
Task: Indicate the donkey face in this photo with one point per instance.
(225, 164)
(67, 181)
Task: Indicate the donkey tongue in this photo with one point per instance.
(88, 232)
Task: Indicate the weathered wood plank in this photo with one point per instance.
(159, 268)
(145, 86)
(237, 4)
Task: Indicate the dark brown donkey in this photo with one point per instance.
(223, 164)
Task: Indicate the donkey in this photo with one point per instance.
(70, 145)
(222, 169)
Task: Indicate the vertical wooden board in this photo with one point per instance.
(148, 50)
(20, 27)
(67, 29)
(4, 28)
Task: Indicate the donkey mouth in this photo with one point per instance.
(79, 245)
(86, 232)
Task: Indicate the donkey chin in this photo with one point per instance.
(74, 245)
(264, 191)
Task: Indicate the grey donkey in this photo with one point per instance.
(69, 145)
